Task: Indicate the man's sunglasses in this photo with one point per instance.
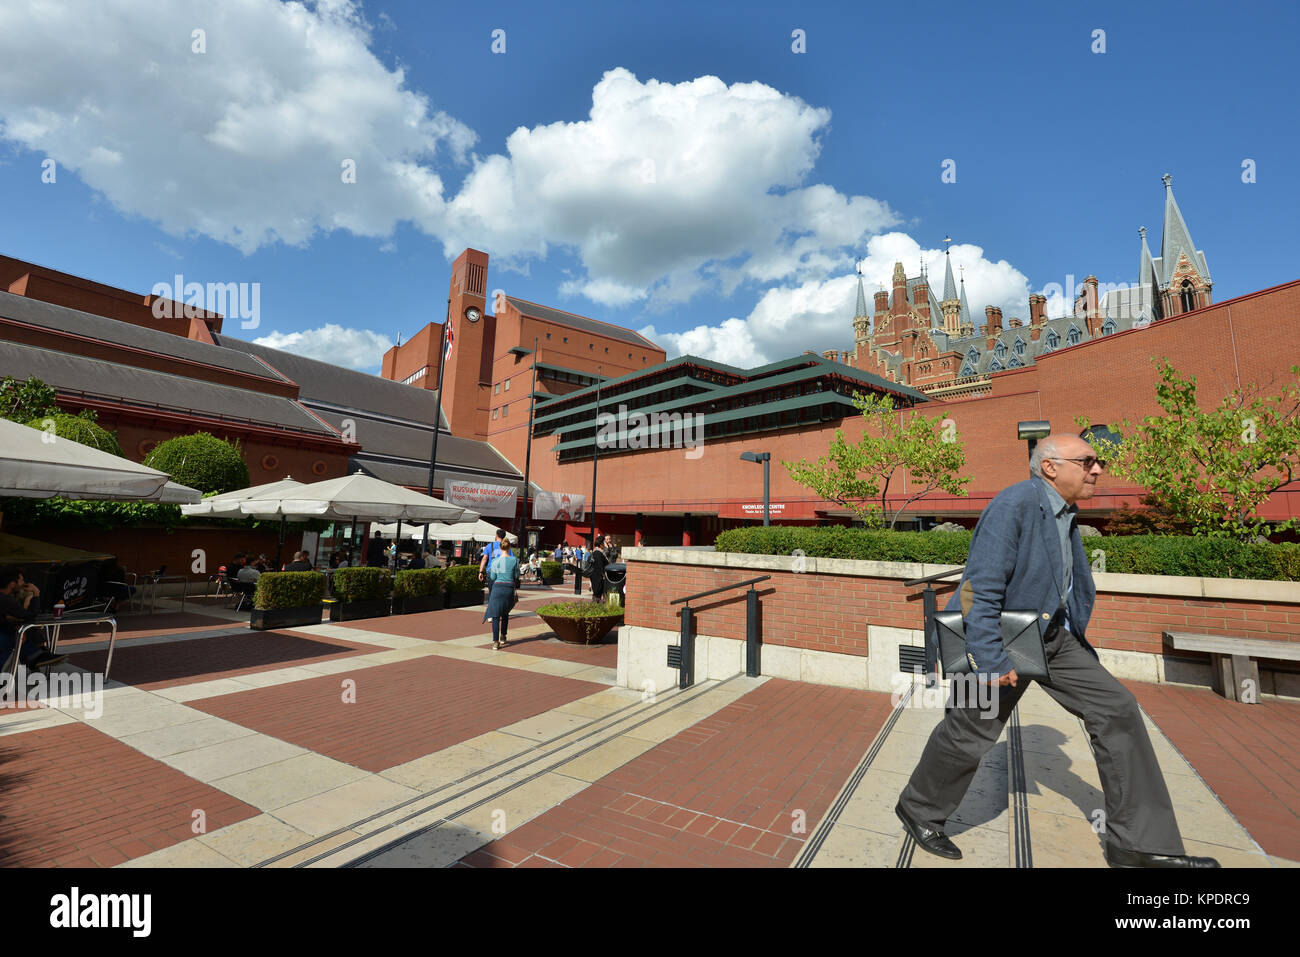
(1087, 463)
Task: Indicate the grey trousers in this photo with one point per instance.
(1139, 814)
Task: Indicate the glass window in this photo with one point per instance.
(1000, 350)
(1075, 336)
(1020, 346)
(507, 385)
(496, 389)
(995, 366)
(1053, 340)
(505, 410)
(1109, 328)
(494, 413)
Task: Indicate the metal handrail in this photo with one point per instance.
(714, 591)
(934, 578)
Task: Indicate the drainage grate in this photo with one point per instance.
(911, 658)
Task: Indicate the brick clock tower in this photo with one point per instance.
(467, 385)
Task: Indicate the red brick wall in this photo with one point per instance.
(832, 612)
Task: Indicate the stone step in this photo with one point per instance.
(1061, 820)
(861, 828)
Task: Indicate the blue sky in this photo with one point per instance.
(677, 168)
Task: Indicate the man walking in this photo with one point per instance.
(1027, 554)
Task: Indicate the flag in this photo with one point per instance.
(446, 353)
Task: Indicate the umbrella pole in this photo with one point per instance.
(397, 544)
(352, 538)
(279, 548)
(437, 414)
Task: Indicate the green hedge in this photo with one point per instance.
(1189, 555)
(463, 578)
(289, 590)
(362, 584)
(417, 582)
(552, 571)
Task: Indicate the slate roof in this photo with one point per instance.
(147, 388)
(580, 322)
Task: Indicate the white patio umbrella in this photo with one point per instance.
(35, 465)
(479, 531)
(357, 497)
(227, 503)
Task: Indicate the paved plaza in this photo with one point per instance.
(409, 742)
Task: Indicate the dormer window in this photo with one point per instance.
(1109, 328)
(1053, 339)
(1000, 350)
(1074, 337)
(1019, 346)
(967, 369)
(995, 366)
(972, 356)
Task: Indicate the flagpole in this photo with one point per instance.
(437, 417)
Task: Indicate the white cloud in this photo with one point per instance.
(353, 348)
(818, 313)
(243, 143)
(662, 185)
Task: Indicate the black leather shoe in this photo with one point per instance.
(1121, 857)
(927, 838)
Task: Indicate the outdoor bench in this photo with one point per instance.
(1234, 670)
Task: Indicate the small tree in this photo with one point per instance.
(79, 429)
(1211, 470)
(201, 461)
(1151, 517)
(858, 476)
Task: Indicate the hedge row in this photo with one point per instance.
(362, 584)
(288, 590)
(1188, 555)
(461, 578)
(417, 582)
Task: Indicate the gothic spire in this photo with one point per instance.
(949, 287)
(1175, 239)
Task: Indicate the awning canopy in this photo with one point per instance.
(34, 464)
(356, 497)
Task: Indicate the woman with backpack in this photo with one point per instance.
(503, 578)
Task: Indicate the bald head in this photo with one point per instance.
(1060, 460)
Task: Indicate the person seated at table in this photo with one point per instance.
(18, 605)
(248, 574)
(535, 567)
(263, 563)
(299, 563)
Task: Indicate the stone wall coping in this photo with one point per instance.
(1231, 589)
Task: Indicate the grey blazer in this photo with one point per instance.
(1015, 564)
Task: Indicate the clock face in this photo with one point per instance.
(472, 314)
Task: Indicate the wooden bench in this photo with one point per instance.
(1234, 670)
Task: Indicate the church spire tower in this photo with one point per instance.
(861, 317)
(950, 304)
(1184, 275)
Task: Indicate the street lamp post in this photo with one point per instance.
(528, 448)
(766, 459)
(591, 506)
(1032, 431)
(437, 419)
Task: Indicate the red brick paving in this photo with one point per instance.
(722, 793)
(437, 625)
(71, 796)
(402, 711)
(546, 645)
(166, 664)
(144, 626)
(1249, 755)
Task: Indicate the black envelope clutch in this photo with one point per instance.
(1022, 640)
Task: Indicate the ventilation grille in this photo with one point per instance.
(911, 658)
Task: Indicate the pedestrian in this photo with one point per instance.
(20, 604)
(1026, 554)
(594, 569)
(491, 551)
(504, 581)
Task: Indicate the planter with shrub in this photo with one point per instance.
(581, 622)
(416, 590)
(552, 573)
(285, 599)
(361, 593)
(463, 587)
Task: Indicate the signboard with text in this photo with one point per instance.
(486, 499)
